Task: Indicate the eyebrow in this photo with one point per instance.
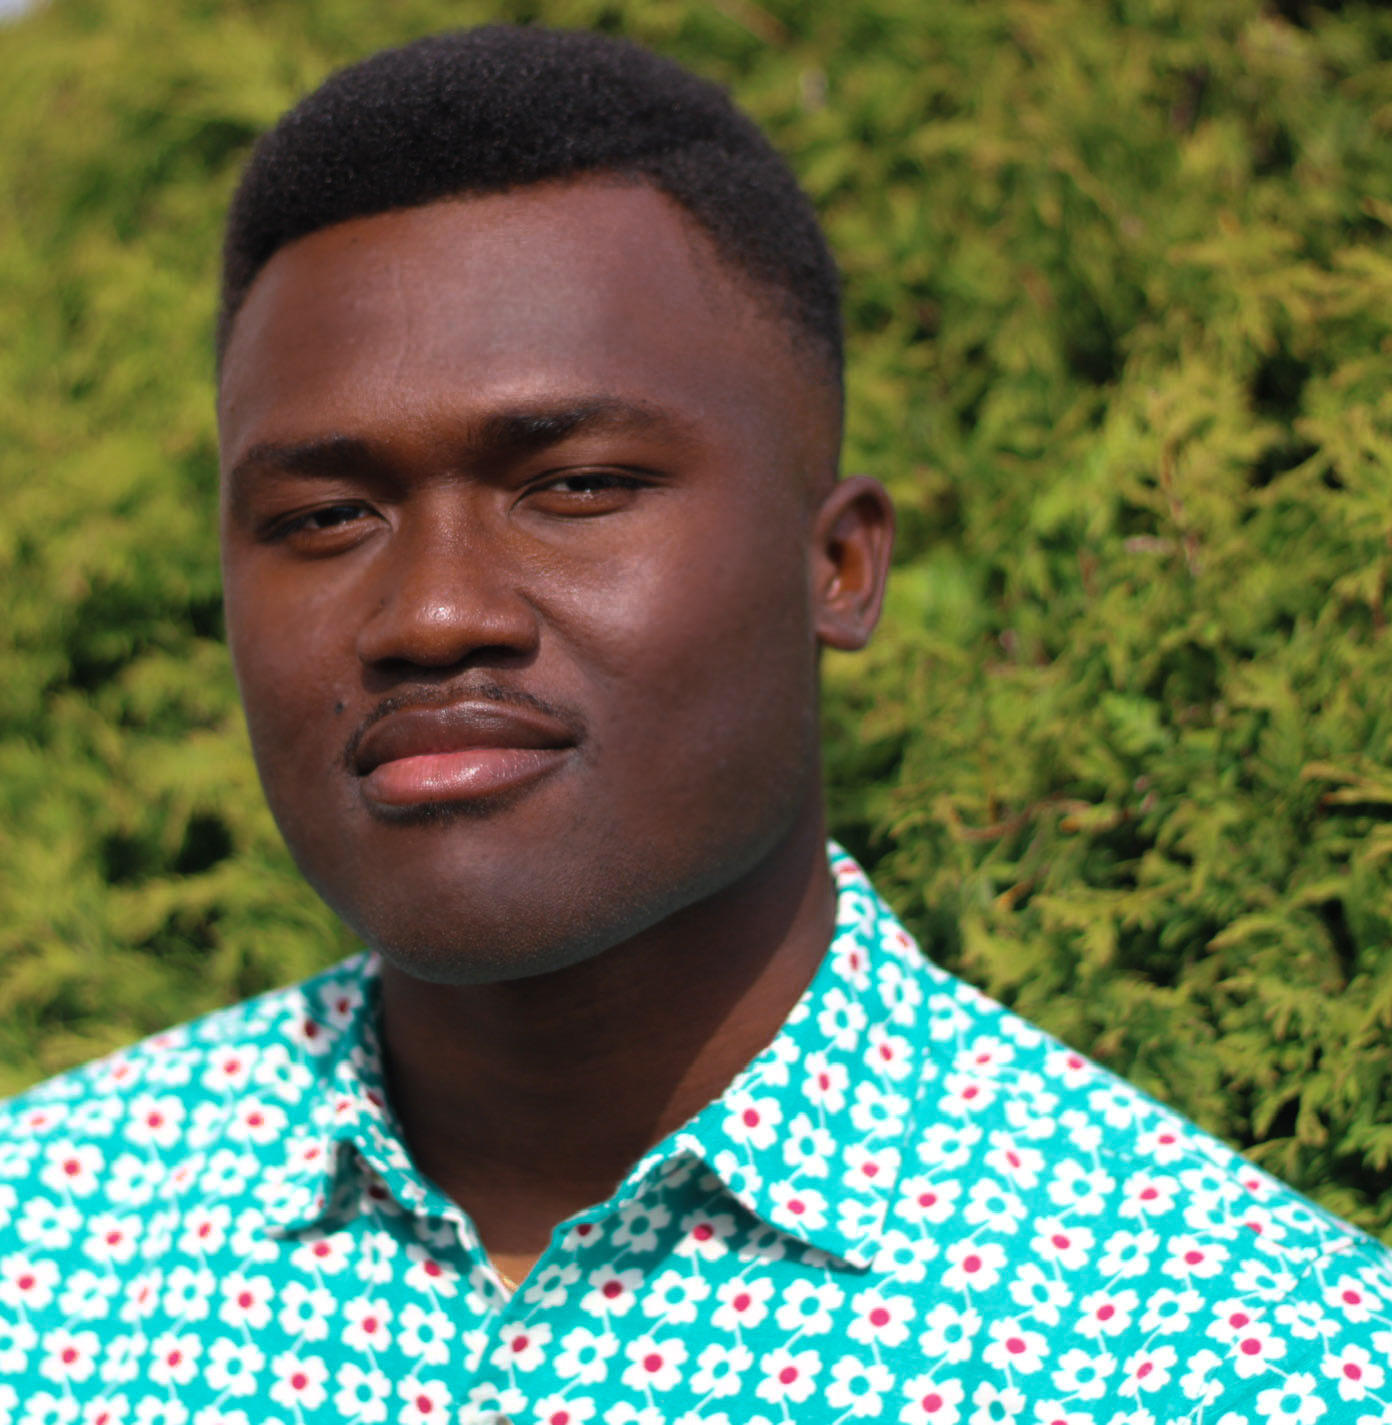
(513, 432)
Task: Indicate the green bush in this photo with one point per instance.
(1119, 291)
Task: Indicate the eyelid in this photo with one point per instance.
(295, 522)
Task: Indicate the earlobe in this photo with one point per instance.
(852, 539)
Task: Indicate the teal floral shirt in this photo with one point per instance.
(911, 1207)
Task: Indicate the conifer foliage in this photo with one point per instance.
(1119, 298)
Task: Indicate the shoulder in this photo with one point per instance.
(108, 1135)
(1090, 1216)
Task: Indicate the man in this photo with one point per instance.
(644, 1109)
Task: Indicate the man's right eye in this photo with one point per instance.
(326, 517)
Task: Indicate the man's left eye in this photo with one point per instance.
(591, 482)
(585, 492)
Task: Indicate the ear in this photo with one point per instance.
(852, 537)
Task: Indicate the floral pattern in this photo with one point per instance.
(912, 1207)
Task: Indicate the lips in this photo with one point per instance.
(468, 751)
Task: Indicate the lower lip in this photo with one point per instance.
(466, 776)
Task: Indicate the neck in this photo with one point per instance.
(529, 1100)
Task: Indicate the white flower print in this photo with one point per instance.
(1084, 1373)
(1055, 1241)
(948, 1146)
(1190, 1257)
(72, 1169)
(1352, 1299)
(1146, 1370)
(17, 1340)
(788, 1376)
(639, 1224)
(1355, 1371)
(188, 1292)
(430, 1275)
(926, 1200)
(155, 1122)
(654, 1364)
(807, 1307)
(246, 1301)
(299, 1381)
(1293, 1402)
(423, 1402)
(84, 1297)
(705, 1235)
(323, 1253)
(802, 1208)
(1082, 1190)
(880, 1319)
(1146, 1194)
(1168, 1311)
(69, 1356)
(584, 1355)
(549, 1287)
(1018, 1164)
(612, 1293)
(975, 1265)
(931, 1402)
(949, 1332)
(305, 1311)
(753, 1120)
(1106, 1313)
(366, 1324)
(48, 1224)
(743, 1303)
(561, 1410)
(45, 1408)
(25, 1283)
(1041, 1295)
(1013, 1347)
(967, 1092)
(807, 1147)
(425, 1334)
(1128, 1254)
(888, 1054)
(991, 1206)
(719, 1370)
(858, 1386)
(361, 1394)
(625, 1414)
(826, 1082)
(995, 1406)
(742, 1176)
(1083, 1132)
(674, 1296)
(521, 1346)
(232, 1366)
(174, 1357)
(841, 1021)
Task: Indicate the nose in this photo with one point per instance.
(445, 594)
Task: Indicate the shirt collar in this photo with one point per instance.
(349, 1125)
(808, 1136)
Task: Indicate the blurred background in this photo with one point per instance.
(1119, 299)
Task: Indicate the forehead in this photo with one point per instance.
(443, 312)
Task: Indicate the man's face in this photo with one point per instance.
(517, 502)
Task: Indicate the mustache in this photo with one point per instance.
(442, 697)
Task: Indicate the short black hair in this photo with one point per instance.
(504, 106)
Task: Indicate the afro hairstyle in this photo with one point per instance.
(499, 107)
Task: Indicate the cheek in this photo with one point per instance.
(710, 642)
(287, 653)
